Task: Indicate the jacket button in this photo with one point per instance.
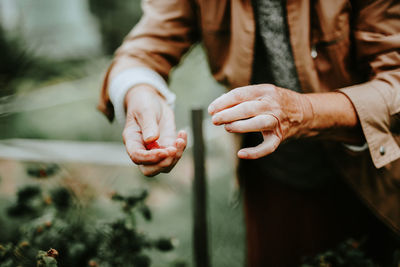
(314, 52)
(382, 150)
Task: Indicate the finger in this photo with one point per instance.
(256, 124)
(147, 120)
(270, 144)
(147, 157)
(182, 134)
(165, 166)
(168, 163)
(134, 145)
(181, 140)
(150, 171)
(180, 144)
(167, 128)
(233, 98)
(241, 111)
(169, 152)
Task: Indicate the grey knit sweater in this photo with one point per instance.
(300, 163)
(273, 30)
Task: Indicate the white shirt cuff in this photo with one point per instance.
(124, 81)
(357, 148)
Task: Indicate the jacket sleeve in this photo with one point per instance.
(165, 32)
(377, 102)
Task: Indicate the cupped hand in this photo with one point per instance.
(148, 119)
(275, 112)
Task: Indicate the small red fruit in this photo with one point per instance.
(153, 145)
(52, 253)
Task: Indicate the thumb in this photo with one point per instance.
(143, 106)
(149, 126)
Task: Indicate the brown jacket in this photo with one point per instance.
(356, 49)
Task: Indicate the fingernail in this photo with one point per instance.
(215, 119)
(210, 109)
(172, 151)
(149, 136)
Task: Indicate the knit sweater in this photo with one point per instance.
(300, 163)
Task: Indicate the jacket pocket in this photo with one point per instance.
(331, 39)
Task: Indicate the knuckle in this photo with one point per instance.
(271, 87)
(264, 123)
(270, 90)
(177, 158)
(135, 157)
(144, 170)
(269, 121)
(166, 163)
(259, 89)
(179, 153)
(278, 114)
(266, 87)
(183, 147)
(148, 172)
(240, 94)
(228, 127)
(248, 110)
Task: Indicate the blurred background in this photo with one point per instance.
(65, 180)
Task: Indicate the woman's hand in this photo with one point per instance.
(149, 119)
(275, 112)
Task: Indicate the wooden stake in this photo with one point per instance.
(200, 234)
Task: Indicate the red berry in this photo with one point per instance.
(52, 253)
(153, 145)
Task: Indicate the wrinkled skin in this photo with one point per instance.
(275, 112)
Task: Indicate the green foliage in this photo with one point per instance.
(116, 18)
(14, 62)
(38, 170)
(28, 203)
(347, 254)
(51, 219)
(46, 259)
(18, 64)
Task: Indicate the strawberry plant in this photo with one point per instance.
(51, 229)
